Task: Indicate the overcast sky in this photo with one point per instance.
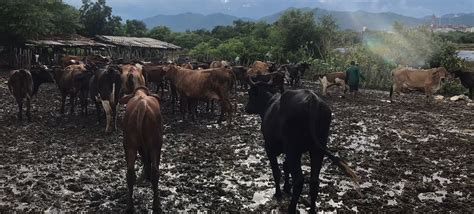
(139, 9)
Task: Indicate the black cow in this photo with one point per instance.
(240, 73)
(296, 71)
(467, 80)
(41, 74)
(294, 122)
(277, 79)
(105, 88)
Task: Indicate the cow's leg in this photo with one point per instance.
(97, 108)
(28, 108)
(19, 101)
(155, 176)
(63, 103)
(316, 164)
(286, 171)
(276, 173)
(130, 156)
(428, 93)
(72, 102)
(294, 162)
(471, 90)
(145, 156)
(115, 110)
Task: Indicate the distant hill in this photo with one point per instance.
(191, 21)
(344, 19)
(358, 19)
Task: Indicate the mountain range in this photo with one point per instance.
(345, 20)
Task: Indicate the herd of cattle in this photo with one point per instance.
(293, 121)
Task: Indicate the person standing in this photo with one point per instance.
(353, 77)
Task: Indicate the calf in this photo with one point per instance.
(209, 84)
(104, 88)
(70, 85)
(143, 132)
(241, 77)
(427, 80)
(467, 80)
(155, 74)
(332, 79)
(296, 71)
(293, 123)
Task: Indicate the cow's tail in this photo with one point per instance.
(141, 111)
(320, 120)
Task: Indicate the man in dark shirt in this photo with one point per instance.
(352, 78)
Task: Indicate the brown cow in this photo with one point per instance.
(74, 60)
(155, 74)
(257, 68)
(219, 64)
(143, 132)
(69, 85)
(187, 66)
(70, 60)
(427, 80)
(332, 79)
(205, 85)
(23, 84)
(20, 85)
(132, 77)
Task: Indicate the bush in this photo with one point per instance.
(453, 88)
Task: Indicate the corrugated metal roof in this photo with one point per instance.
(143, 42)
(84, 42)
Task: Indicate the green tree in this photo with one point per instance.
(135, 28)
(97, 19)
(297, 29)
(161, 33)
(25, 20)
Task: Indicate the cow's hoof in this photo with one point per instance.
(157, 208)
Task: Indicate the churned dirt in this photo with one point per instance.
(410, 156)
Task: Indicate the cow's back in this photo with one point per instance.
(143, 120)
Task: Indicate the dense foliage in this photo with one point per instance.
(296, 36)
(31, 19)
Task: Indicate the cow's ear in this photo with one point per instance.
(156, 96)
(125, 99)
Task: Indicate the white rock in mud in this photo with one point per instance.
(439, 97)
(460, 97)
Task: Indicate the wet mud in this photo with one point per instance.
(411, 157)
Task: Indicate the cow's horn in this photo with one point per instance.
(251, 82)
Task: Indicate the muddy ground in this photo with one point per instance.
(410, 156)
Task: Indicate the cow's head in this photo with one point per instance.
(259, 95)
(42, 73)
(442, 74)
